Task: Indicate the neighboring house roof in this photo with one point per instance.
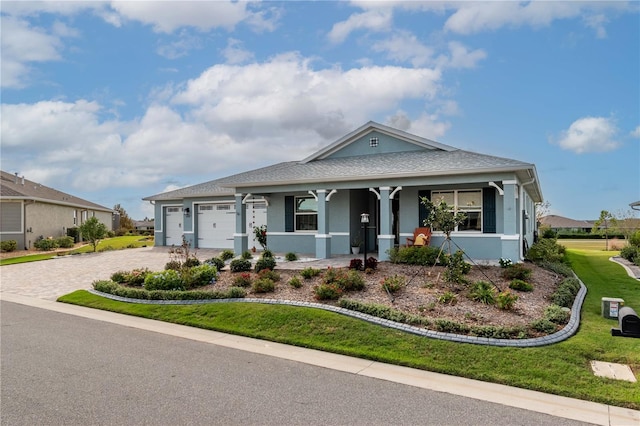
(143, 223)
(14, 187)
(206, 189)
(429, 159)
(554, 221)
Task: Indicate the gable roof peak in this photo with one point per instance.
(369, 127)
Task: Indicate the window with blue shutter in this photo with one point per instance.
(422, 210)
(489, 210)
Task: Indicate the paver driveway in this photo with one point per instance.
(50, 279)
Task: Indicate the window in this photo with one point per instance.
(306, 214)
(373, 142)
(467, 201)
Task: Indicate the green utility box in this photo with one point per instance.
(611, 306)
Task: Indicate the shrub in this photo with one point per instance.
(308, 273)
(497, 332)
(165, 280)
(267, 254)
(347, 281)
(556, 314)
(546, 249)
(173, 265)
(393, 284)
(504, 263)
(558, 268)
(200, 275)
(456, 268)
(240, 265)
(414, 255)
(263, 285)
(137, 276)
(327, 292)
(111, 287)
(265, 263)
(566, 292)
(46, 244)
(371, 263)
(119, 277)
(447, 326)
(242, 280)
(65, 242)
(8, 246)
(517, 271)
(382, 311)
(448, 298)
(215, 261)
(631, 253)
(355, 264)
(246, 255)
(269, 274)
(520, 285)
(291, 256)
(295, 282)
(506, 300)
(634, 239)
(226, 255)
(543, 325)
(483, 292)
(190, 262)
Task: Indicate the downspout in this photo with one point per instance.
(522, 216)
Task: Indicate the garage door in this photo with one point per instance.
(216, 225)
(173, 226)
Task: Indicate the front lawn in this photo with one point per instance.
(561, 369)
(115, 243)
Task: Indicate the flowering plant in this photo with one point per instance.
(505, 263)
(260, 233)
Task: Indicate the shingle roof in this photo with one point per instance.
(14, 187)
(555, 221)
(400, 164)
(206, 189)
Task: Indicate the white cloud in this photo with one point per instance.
(635, 133)
(474, 17)
(23, 45)
(373, 20)
(590, 134)
(403, 46)
(168, 16)
(180, 47)
(235, 54)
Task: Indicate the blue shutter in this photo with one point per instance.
(289, 213)
(489, 210)
(422, 210)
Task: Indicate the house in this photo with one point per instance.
(560, 223)
(29, 211)
(143, 225)
(314, 205)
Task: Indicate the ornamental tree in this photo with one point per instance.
(93, 231)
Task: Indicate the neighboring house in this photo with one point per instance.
(29, 211)
(143, 225)
(560, 223)
(314, 206)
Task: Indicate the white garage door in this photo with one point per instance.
(173, 226)
(216, 225)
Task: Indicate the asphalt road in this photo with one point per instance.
(61, 369)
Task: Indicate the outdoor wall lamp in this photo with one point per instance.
(364, 219)
(187, 211)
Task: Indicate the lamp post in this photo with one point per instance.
(364, 219)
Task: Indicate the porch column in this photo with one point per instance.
(385, 237)
(240, 240)
(323, 238)
(510, 237)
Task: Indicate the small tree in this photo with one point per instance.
(125, 221)
(93, 231)
(605, 221)
(440, 216)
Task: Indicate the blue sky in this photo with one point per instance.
(115, 101)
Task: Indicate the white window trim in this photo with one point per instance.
(296, 214)
(456, 208)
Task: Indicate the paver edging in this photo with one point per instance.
(567, 331)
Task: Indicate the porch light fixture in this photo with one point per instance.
(364, 219)
(187, 211)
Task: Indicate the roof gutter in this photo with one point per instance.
(62, 203)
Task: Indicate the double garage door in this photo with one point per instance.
(216, 223)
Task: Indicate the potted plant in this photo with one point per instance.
(355, 245)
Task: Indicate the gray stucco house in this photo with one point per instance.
(314, 206)
(30, 210)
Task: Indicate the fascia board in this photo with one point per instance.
(58, 203)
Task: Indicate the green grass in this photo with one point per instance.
(587, 244)
(116, 243)
(561, 369)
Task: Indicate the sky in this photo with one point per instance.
(116, 101)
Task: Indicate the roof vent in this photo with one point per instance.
(16, 181)
(373, 142)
